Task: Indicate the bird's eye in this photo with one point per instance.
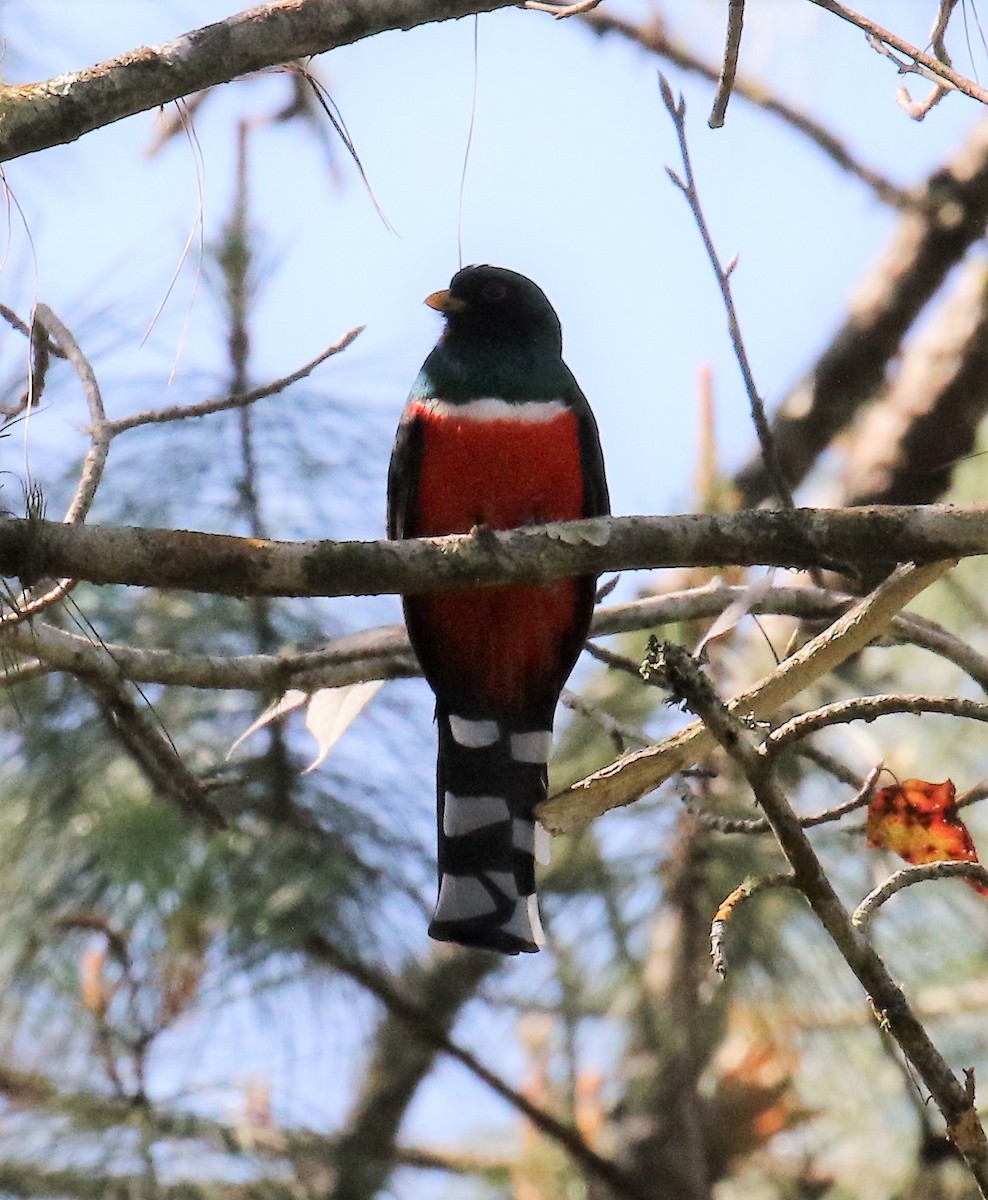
(493, 290)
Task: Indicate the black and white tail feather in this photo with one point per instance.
(490, 778)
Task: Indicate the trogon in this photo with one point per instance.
(496, 433)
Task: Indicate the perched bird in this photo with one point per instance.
(495, 433)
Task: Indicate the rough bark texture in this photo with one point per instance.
(236, 566)
(35, 116)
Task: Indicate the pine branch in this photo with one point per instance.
(441, 986)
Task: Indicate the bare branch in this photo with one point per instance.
(735, 21)
(180, 412)
(422, 1023)
(910, 875)
(438, 988)
(928, 241)
(151, 748)
(718, 926)
(38, 115)
(677, 113)
(654, 38)
(54, 333)
(760, 824)
(907, 443)
(936, 67)
(384, 652)
(868, 708)
(99, 435)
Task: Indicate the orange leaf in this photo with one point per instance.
(919, 821)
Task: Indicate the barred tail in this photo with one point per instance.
(489, 780)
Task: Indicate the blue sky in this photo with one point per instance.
(565, 182)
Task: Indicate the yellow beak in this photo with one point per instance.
(445, 302)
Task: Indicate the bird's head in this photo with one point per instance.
(495, 305)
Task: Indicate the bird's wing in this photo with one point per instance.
(596, 499)
(403, 475)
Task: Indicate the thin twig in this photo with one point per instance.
(938, 44)
(99, 431)
(830, 765)
(151, 748)
(620, 732)
(744, 891)
(52, 330)
(939, 69)
(180, 412)
(868, 708)
(735, 21)
(654, 38)
(687, 185)
(750, 825)
(907, 877)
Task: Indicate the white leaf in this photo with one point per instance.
(737, 609)
(285, 704)
(331, 711)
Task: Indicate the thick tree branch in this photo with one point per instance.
(907, 443)
(928, 241)
(235, 566)
(35, 116)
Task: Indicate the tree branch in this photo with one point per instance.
(35, 116)
(916, 874)
(233, 566)
(642, 771)
(911, 437)
(955, 1101)
(439, 986)
(936, 68)
(423, 1024)
(654, 38)
(929, 240)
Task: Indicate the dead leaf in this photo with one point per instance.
(919, 821)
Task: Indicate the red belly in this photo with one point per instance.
(497, 473)
(501, 649)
